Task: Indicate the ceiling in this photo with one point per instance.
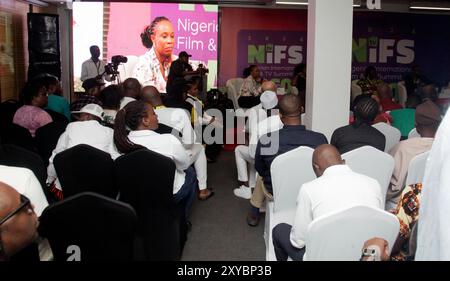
(387, 5)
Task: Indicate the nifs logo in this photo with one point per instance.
(275, 54)
(375, 50)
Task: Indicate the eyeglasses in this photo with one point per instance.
(24, 201)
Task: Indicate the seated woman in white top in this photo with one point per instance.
(141, 119)
(251, 88)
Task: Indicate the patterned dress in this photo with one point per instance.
(407, 213)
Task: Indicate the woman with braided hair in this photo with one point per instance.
(134, 129)
(152, 68)
(360, 132)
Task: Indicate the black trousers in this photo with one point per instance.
(282, 244)
(248, 102)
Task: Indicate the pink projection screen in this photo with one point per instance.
(116, 29)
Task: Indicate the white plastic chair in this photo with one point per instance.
(402, 93)
(373, 163)
(416, 168)
(233, 87)
(391, 133)
(356, 90)
(340, 236)
(413, 134)
(126, 69)
(288, 172)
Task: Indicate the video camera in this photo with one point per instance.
(202, 69)
(111, 68)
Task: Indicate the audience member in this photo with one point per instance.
(427, 118)
(414, 80)
(291, 136)
(110, 98)
(245, 162)
(433, 237)
(87, 130)
(31, 115)
(178, 119)
(337, 187)
(370, 81)
(18, 222)
(386, 99)
(361, 132)
(131, 91)
(251, 88)
(56, 101)
(140, 118)
(92, 89)
(407, 212)
(25, 182)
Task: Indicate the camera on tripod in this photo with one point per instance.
(111, 68)
(202, 69)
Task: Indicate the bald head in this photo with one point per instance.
(325, 156)
(290, 106)
(269, 86)
(131, 88)
(9, 198)
(151, 95)
(20, 229)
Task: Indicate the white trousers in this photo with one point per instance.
(198, 158)
(245, 165)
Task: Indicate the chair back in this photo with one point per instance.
(145, 179)
(373, 163)
(89, 227)
(85, 168)
(340, 236)
(392, 134)
(233, 88)
(288, 172)
(416, 168)
(16, 156)
(413, 134)
(402, 93)
(17, 135)
(47, 137)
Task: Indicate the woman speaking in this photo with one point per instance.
(152, 68)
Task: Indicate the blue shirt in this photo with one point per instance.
(289, 137)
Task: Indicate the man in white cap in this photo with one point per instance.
(87, 130)
(245, 162)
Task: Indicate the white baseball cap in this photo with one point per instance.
(93, 109)
(269, 99)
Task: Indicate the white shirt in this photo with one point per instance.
(125, 101)
(90, 69)
(83, 132)
(268, 125)
(167, 145)
(338, 188)
(178, 119)
(148, 71)
(433, 234)
(25, 182)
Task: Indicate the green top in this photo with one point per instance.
(59, 104)
(404, 120)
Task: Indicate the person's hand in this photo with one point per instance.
(381, 244)
(212, 119)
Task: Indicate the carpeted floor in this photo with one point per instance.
(219, 228)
